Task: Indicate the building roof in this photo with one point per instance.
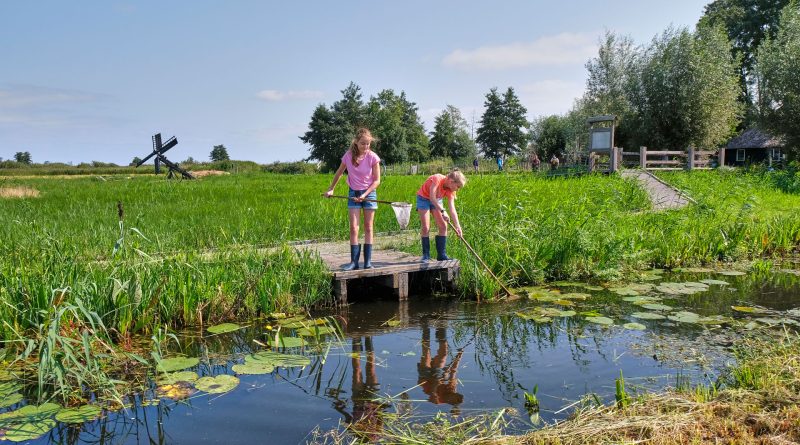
(755, 138)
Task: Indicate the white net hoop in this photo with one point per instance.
(402, 211)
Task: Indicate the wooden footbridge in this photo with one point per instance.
(392, 269)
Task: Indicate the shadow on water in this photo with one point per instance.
(434, 355)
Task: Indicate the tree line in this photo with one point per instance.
(737, 68)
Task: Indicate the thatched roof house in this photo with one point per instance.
(753, 146)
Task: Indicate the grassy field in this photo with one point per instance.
(186, 251)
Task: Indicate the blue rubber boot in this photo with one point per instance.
(441, 248)
(367, 256)
(426, 249)
(355, 253)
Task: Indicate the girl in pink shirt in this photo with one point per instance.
(363, 177)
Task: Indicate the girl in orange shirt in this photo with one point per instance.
(429, 199)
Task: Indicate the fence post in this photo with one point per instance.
(721, 157)
(612, 168)
(591, 162)
(643, 158)
(690, 160)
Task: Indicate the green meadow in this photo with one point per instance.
(186, 252)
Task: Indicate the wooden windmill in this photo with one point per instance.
(159, 149)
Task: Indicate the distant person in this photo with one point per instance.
(535, 162)
(363, 177)
(554, 162)
(499, 164)
(475, 164)
(429, 199)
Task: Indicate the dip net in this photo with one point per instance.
(402, 211)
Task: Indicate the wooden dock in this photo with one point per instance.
(391, 268)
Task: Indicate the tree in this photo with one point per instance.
(450, 136)
(331, 130)
(135, 161)
(548, 135)
(219, 153)
(777, 68)
(23, 157)
(747, 23)
(502, 130)
(685, 91)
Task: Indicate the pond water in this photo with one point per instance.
(434, 355)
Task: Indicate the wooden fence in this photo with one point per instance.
(691, 159)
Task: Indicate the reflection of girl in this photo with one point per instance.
(437, 380)
(363, 177)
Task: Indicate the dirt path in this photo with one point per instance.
(662, 195)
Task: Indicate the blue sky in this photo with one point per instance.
(93, 80)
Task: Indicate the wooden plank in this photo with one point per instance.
(665, 153)
(670, 162)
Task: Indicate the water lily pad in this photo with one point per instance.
(567, 284)
(605, 321)
(253, 368)
(593, 288)
(564, 302)
(81, 414)
(175, 377)
(639, 299)
(625, 291)
(21, 432)
(634, 326)
(151, 402)
(300, 322)
(688, 288)
(647, 316)
(277, 315)
(776, 321)
(324, 330)
(746, 309)
(217, 385)
(286, 342)
(731, 273)
(657, 307)
(224, 328)
(590, 314)
(177, 363)
(10, 399)
(9, 388)
(694, 270)
(278, 359)
(718, 282)
(566, 314)
(176, 391)
(575, 296)
(684, 317)
(6, 375)
(391, 323)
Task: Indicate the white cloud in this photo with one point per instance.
(551, 96)
(560, 49)
(279, 96)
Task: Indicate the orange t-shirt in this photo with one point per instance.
(438, 179)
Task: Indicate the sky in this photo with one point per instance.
(94, 80)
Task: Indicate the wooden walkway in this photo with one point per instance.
(391, 268)
(662, 195)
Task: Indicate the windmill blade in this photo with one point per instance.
(146, 158)
(171, 142)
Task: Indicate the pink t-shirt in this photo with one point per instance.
(359, 177)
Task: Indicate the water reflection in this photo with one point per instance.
(440, 355)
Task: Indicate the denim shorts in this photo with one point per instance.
(425, 204)
(366, 205)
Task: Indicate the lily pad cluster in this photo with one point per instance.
(28, 423)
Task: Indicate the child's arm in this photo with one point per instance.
(336, 177)
(451, 204)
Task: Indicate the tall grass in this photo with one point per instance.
(215, 249)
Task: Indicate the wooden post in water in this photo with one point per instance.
(643, 158)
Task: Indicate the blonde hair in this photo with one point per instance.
(360, 133)
(457, 177)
